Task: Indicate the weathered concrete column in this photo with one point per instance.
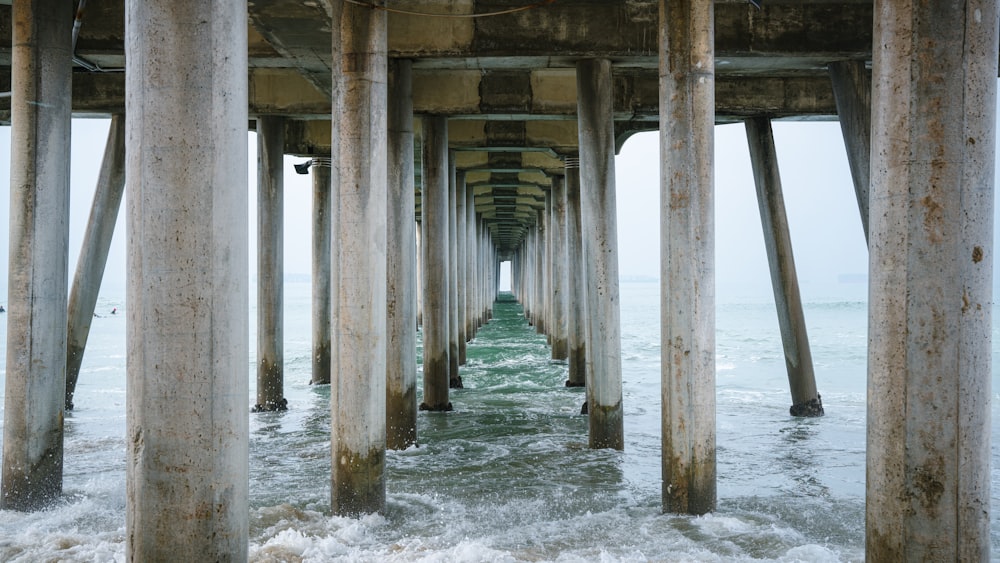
(420, 252)
(270, 264)
(687, 255)
(188, 321)
(358, 343)
(460, 263)
(600, 246)
(778, 243)
(528, 260)
(454, 379)
(471, 280)
(401, 265)
(930, 298)
(547, 269)
(576, 337)
(538, 274)
(35, 390)
(481, 257)
(489, 289)
(558, 296)
(434, 263)
(529, 271)
(94, 252)
(852, 91)
(321, 255)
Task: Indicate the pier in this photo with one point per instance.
(443, 139)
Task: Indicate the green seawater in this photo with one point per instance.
(508, 476)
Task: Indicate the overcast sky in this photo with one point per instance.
(828, 242)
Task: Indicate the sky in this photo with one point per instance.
(827, 238)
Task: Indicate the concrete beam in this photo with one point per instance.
(471, 94)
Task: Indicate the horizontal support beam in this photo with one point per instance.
(460, 95)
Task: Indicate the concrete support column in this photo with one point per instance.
(270, 264)
(576, 337)
(322, 226)
(600, 240)
(687, 255)
(454, 380)
(489, 289)
(35, 392)
(434, 263)
(523, 269)
(778, 242)
(463, 281)
(558, 228)
(528, 260)
(358, 343)
(852, 91)
(495, 284)
(483, 278)
(401, 265)
(188, 260)
(930, 295)
(534, 273)
(420, 301)
(470, 264)
(538, 275)
(547, 269)
(94, 252)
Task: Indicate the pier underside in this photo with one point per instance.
(446, 137)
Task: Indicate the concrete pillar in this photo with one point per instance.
(270, 264)
(401, 265)
(778, 242)
(687, 255)
(495, 284)
(455, 379)
(852, 91)
(559, 261)
(420, 307)
(523, 272)
(536, 275)
(460, 263)
(188, 322)
(358, 343)
(321, 254)
(94, 252)
(483, 280)
(471, 281)
(35, 391)
(930, 295)
(489, 292)
(529, 261)
(434, 263)
(600, 247)
(547, 269)
(576, 337)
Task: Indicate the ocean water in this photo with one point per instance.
(508, 475)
